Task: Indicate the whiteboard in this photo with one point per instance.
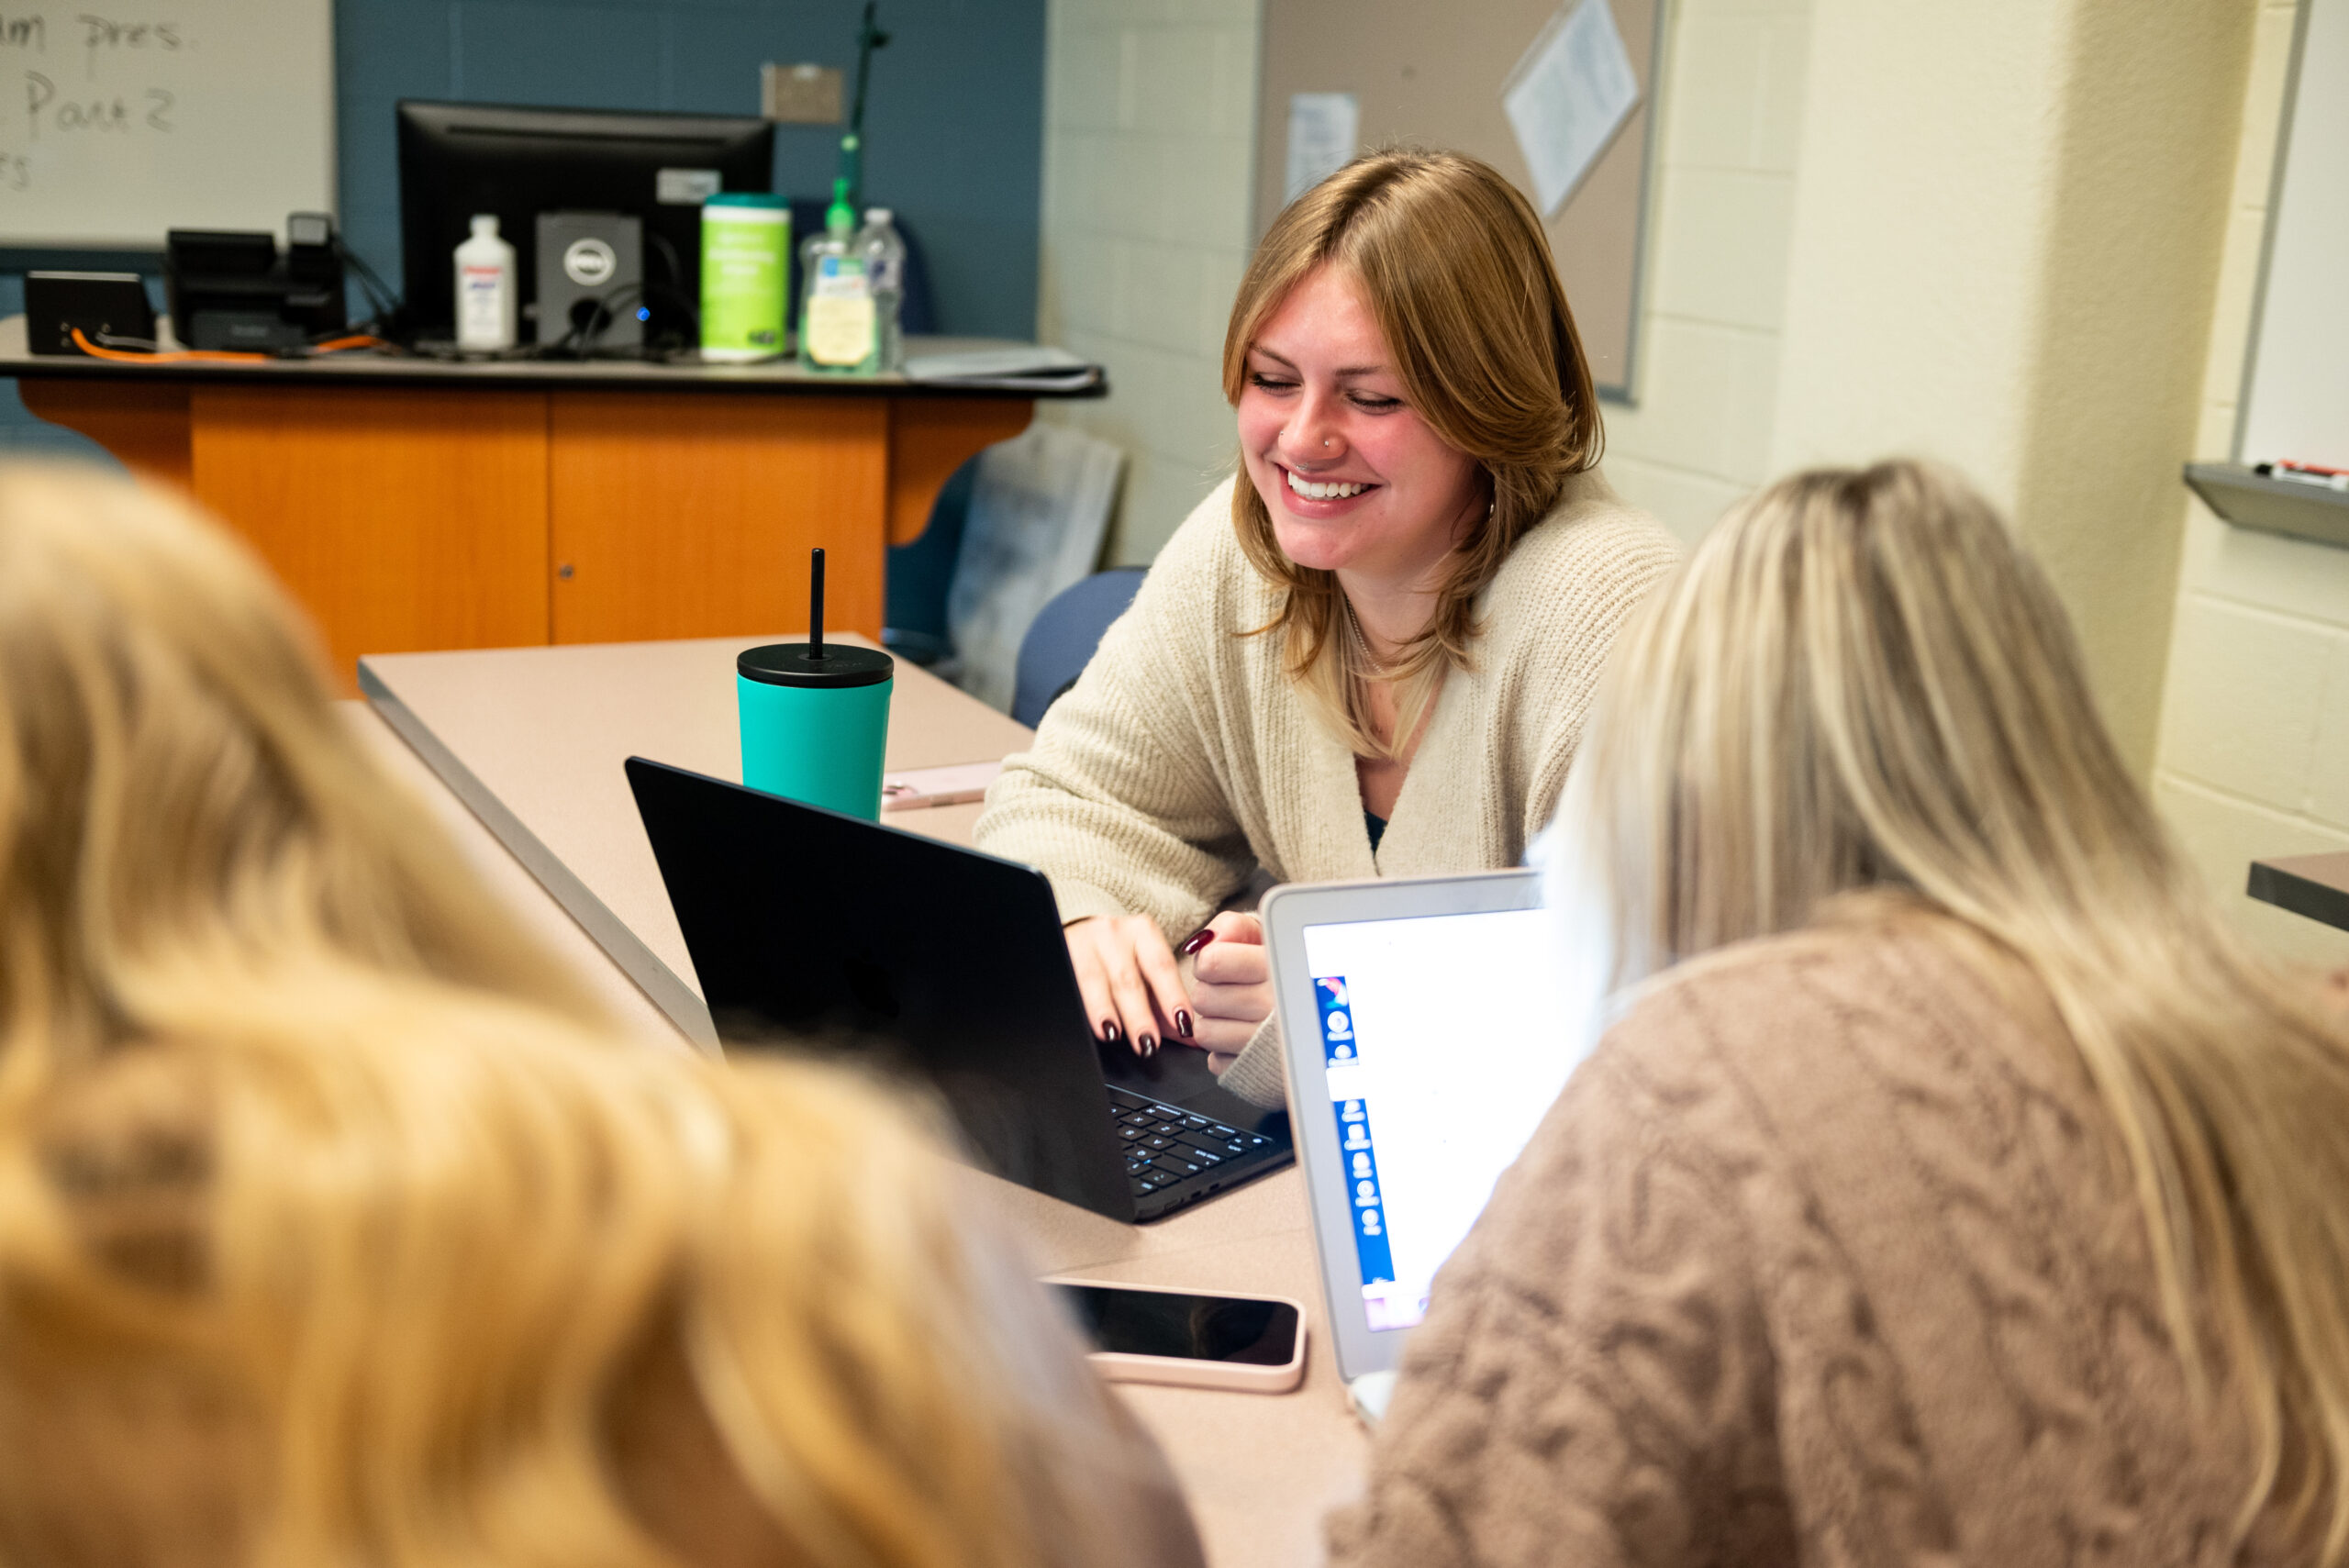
(122, 118)
(2296, 387)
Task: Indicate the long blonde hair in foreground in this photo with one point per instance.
(366, 1271)
(179, 797)
(1860, 682)
(1457, 271)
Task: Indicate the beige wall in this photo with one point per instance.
(1149, 107)
(1730, 107)
(2006, 247)
(2254, 738)
(1939, 284)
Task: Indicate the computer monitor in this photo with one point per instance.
(457, 160)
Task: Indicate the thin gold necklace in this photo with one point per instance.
(1378, 668)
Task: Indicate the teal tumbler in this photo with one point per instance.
(815, 722)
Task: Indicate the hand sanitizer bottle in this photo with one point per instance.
(884, 250)
(836, 318)
(486, 301)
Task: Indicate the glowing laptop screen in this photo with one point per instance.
(1444, 1045)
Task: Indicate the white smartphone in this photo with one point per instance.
(1194, 1339)
(949, 786)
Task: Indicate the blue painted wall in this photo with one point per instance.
(954, 131)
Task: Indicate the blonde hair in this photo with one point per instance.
(332, 1230)
(179, 797)
(1457, 271)
(368, 1270)
(1860, 682)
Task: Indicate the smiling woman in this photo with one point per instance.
(1368, 654)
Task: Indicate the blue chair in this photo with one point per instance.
(1060, 641)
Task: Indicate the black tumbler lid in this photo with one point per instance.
(843, 664)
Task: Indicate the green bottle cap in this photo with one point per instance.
(840, 219)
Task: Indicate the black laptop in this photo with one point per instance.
(816, 931)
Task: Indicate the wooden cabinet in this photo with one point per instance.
(398, 519)
(434, 510)
(634, 553)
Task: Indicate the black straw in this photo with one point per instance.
(815, 604)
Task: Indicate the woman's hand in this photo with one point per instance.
(1231, 983)
(1125, 973)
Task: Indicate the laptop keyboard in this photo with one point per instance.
(1165, 1144)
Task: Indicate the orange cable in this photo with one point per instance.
(144, 358)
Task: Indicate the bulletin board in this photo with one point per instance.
(208, 113)
(1431, 75)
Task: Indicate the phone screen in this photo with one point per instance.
(1188, 1327)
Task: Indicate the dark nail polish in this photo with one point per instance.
(1148, 1044)
(1183, 1022)
(1111, 1032)
(1194, 942)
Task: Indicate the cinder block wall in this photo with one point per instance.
(1148, 137)
(2254, 757)
(1720, 221)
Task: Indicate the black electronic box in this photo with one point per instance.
(233, 289)
(109, 309)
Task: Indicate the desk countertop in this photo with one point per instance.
(786, 377)
(534, 739)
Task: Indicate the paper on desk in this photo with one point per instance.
(1031, 367)
(954, 785)
(1569, 95)
(1323, 128)
(1025, 359)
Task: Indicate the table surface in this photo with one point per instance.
(539, 734)
(785, 376)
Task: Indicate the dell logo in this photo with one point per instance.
(590, 262)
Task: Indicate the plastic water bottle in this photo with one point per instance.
(487, 301)
(837, 329)
(884, 268)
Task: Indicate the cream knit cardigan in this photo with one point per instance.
(1184, 762)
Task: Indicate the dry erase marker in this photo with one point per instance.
(2305, 474)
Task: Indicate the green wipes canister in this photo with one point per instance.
(815, 714)
(745, 275)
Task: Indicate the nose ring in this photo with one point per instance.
(1325, 440)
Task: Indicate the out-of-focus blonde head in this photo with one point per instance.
(376, 1272)
(179, 797)
(1861, 685)
(333, 1230)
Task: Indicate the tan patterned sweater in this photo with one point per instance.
(1184, 762)
(1828, 1256)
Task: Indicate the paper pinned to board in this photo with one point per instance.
(1569, 95)
(1324, 131)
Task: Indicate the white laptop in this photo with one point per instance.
(1422, 1025)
